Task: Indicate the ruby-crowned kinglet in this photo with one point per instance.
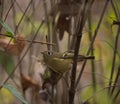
(55, 62)
(58, 64)
(61, 62)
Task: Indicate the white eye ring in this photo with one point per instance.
(50, 53)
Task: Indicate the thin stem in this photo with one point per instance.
(114, 57)
(25, 14)
(115, 47)
(47, 22)
(116, 96)
(77, 47)
(16, 29)
(116, 79)
(14, 13)
(22, 56)
(1, 10)
(92, 51)
(93, 39)
(29, 41)
(99, 91)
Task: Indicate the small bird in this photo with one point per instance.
(61, 62)
(57, 64)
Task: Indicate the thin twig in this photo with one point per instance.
(16, 29)
(35, 41)
(99, 91)
(22, 56)
(116, 96)
(116, 79)
(90, 85)
(25, 14)
(8, 11)
(92, 41)
(1, 10)
(114, 54)
(1, 7)
(77, 46)
(14, 14)
(92, 51)
(29, 41)
(47, 22)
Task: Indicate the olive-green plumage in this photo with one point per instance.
(61, 62)
(57, 64)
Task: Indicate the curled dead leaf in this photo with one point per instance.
(27, 82)
(63, 24)
(12, 46)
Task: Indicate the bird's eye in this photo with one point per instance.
(49, 53)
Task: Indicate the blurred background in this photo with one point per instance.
(56, 22)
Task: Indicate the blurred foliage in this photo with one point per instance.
(7, 62)
(28, 25)
(17, 94)
(5, 59)
(9, 32)
(99, 97)
(103, 50)
(6, 97)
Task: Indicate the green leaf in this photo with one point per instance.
(15, 92)
(7, 62)
(99, 95)
(9, 32)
